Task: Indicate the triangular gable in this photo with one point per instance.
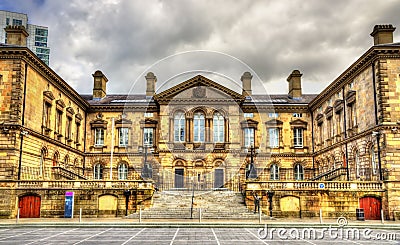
(199, 80)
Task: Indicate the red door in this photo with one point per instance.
(372, 207)
(29, 207)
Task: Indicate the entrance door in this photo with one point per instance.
(219, 178)
(29, 207)
(372, 207)
(179, 172)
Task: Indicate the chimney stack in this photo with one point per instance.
(383, 34)
(246, 83)
(294, 80)
(150, 84)
(16, 35)
(100, 85)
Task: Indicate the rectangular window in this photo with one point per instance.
(68, 128)
(297, 115)
(339, 123)
(46, 115)
(99, 137)
(17, 22)
(273, 115)
(41, 32)
(77, 133)
(123, 136)
(248, 137)
(248, 115)
(148, 114)
(298, 137)
(273, 137)
(148, 136)
(7, 21)
(58, 124)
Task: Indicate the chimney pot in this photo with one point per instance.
(383, 34)
(294, 80)
(151, 80)
(246, 83)
(100, 85)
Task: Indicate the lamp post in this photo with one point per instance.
(251, 171)
(191, 206)
(270, 194)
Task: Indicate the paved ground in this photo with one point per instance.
(193, 236)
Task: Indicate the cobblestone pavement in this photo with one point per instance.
(193, 236)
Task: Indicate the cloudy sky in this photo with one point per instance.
(176, 39)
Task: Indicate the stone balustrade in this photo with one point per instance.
(75, 184)
(314, 185)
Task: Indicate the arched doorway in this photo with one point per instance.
(179, 181)
(29, 206)
(219, 178)
(372, 207)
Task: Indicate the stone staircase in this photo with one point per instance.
(213, 205)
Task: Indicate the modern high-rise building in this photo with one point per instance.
(38, 35)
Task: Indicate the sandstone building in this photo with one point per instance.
(334, 151)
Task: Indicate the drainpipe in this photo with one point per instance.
(22, 124)
(345, 134)
(377, 122)
(84, 144)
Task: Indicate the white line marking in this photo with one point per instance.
(92, 236)
(51, 236)
(256, 236)
(173, 239)
(22, 234)
(215, 235)
(133, 236)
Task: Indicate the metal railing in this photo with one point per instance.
(77, 184)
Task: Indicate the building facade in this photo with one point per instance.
(37, 40)
(334, 151)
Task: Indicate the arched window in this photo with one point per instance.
(298, 172)
(219, 127)
(55, 159)
(66, 161)
(274, 172)
(98, 171)
(199, 127)
(122, 171)
(41, 162)
(179, 127)
(373, 160)
(357, 163)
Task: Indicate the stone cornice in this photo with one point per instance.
(12, 52)
(375, 52)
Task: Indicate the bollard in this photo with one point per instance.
(320, 216)
(200, 215)
(382, 218)
(140, 215)
(80, 215)
(17, 216)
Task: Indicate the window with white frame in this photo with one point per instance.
(298, 137)
(298, 172)
(273, 115)
(148, 136)
(248, 115)
(274, 172)
(248, 137)
(148, 114)
(199, 120)
(123, 136)
(273, 137)
(98, 136)
(98, 172)
(122, 171)
(219, 127)
(179, 127)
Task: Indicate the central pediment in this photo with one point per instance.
(198, 88)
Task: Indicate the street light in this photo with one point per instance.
(251, 172)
